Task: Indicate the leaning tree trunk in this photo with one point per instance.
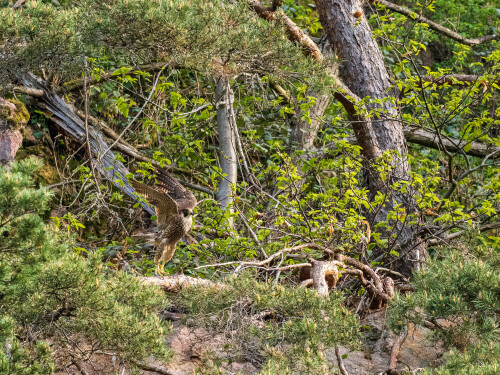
(227, 146)
(363, 71)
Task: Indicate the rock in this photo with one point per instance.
(416, 352)
(13, 116)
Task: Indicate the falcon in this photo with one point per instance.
(174, 206)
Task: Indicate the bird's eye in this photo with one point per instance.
(185, 213)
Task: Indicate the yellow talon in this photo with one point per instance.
(162, 269)
(159, 269)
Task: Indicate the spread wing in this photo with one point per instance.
(184, 198)
(164, 204)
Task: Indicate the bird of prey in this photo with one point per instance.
(174, 206)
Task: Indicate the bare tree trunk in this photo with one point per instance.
(363, 71)
(13, 116)
(227, 147)
(303, 134)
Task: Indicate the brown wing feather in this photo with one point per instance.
(163, 203)
(184, 198)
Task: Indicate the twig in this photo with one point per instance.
(62, 183)
(86, 121)
(252, 233)
(138, 113)
(342, 368)
(272, 257)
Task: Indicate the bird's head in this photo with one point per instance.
(186, 213)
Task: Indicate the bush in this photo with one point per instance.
(48, 293)
(460, 295)
(282, 328)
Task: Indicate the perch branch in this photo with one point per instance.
(178, 282)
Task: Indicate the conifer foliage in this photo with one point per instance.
(54, 300)
(459, 294)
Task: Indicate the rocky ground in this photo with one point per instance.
(197, 351)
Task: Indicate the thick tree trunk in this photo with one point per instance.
(363, 71)
(227, 145)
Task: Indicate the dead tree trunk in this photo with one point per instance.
(65, 117)
(227, 146)
(363, 71)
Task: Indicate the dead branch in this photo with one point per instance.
(342, 368)
(18, 4)
(176, 283)
(451, 236)
(63, 115)
(324, 274)
(272, 257)
(437, 27)
(396, 348)
(26, 90)
(456, 79)
(428, 138)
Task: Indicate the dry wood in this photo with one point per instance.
(294, 32)
(227, 145)
(437, 27)
(428, 138)
(396, 348)
(324, 275)
(18, 4)
(64, 116)
(342, 368)
(176, 283)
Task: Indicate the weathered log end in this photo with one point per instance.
(324, 275)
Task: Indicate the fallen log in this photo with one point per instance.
(176, 283)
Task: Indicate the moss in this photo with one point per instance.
(20, 117)
(47, 173)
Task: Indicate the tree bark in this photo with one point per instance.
(227, 146)
(363, 71)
